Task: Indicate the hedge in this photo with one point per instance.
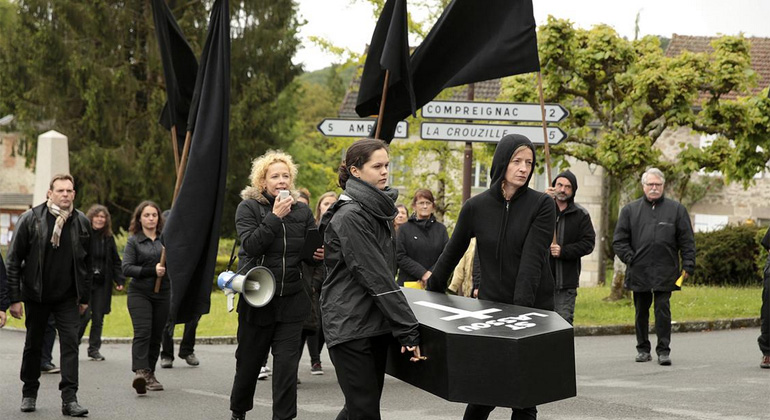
(731, 256)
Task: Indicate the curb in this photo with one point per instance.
(580, 331)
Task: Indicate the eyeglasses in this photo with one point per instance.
(423, 204)
(654, 184)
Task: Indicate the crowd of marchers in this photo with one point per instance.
(511, 244)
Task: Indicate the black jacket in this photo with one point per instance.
(274, 243)
(359, 297)
(649, 238)
(140, 256)
(512, 237)
(25, 256)
(575, 233)
(419, 245)
(109, 267)
(4, 301)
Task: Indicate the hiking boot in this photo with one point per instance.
(643, 356)
(140, 381)
(191, 359)
(152, 382)
(28, 404)
(316, 369)
(664, 360)
(765, 362)
(73, 409)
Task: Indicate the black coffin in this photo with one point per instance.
(488, 353)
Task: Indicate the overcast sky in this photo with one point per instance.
(349, 23)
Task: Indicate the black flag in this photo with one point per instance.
(179, 69)
(388, 50)
(191, 235)
(469, 43)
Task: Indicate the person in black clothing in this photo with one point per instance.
(272, 232)
(651, 235)
(513, 226)
(362, 307)
(420, 240)
(764, 313)
(49, 269)
(401, 218)
(4, 301)
(148, 309)
(575, 238)
(106, 267)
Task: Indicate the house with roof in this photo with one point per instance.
(17, 184)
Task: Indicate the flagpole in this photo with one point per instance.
(382, 104)
(175, 148)
(545, 139)
(179, 176)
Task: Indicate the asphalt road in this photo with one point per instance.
(715, 375)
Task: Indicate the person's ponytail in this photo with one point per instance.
(343, 175)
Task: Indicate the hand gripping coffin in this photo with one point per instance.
(488, 353)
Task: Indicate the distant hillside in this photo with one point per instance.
(319, 76)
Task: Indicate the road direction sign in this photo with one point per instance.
(496, 111)
(489, 133)
(356, 127)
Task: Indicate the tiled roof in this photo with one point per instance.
(760, 55)
(484, 91)
(8, 200)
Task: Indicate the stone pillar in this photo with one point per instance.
(52, 158)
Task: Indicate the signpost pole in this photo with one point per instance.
(468, 157)
(545, 130)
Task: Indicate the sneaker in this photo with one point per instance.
(191, 359)
(765, 362)
(238, 416)
(316, 369)
(643, 356)
(664, 360)
(49, 368)
(96, 356)
(166, 363)
(140, 381)
(268, 370)
(263, 374)
(152, 382)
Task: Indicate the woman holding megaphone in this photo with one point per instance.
(272, 227)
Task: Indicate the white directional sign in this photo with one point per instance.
(496, 111)
(489, 133)
(341, 127)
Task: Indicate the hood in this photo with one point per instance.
(262, 196)
(572, 180)
(502, 157)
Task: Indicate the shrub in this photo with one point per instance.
(727, 257)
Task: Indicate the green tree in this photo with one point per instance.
(622, 95)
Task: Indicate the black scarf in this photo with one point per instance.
(380, 203)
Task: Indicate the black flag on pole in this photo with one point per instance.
(388, 50)
(191, 235)
(469, 43)
(179, 69)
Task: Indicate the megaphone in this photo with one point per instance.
(257, 286)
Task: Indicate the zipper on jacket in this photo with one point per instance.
(283, 257)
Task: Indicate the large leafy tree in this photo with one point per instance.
(623, 94)
(91, 70)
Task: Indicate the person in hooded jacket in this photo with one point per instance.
(513, 226)
(362, 308)
(272, 233)
(764, 312)
(420, 240)
(575, 238)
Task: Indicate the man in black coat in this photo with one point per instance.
(651, 235)
(575, 238)
(4, 302)
(764, 313)
(49, 269)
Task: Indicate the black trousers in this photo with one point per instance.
(95, 315)
(187, 346)
(314, 343)
(149, 312)
(360, 368)
(764, 316)
(642, 302)
(254, 342)
(49, 338)
(67, 321)
(481, 412)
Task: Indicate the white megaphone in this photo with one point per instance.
(257, 286)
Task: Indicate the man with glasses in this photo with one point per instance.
(651, 235)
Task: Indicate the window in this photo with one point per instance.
(709, 222)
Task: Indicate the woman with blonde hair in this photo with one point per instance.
(271, 226)
(106, 269)
(148, 310)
